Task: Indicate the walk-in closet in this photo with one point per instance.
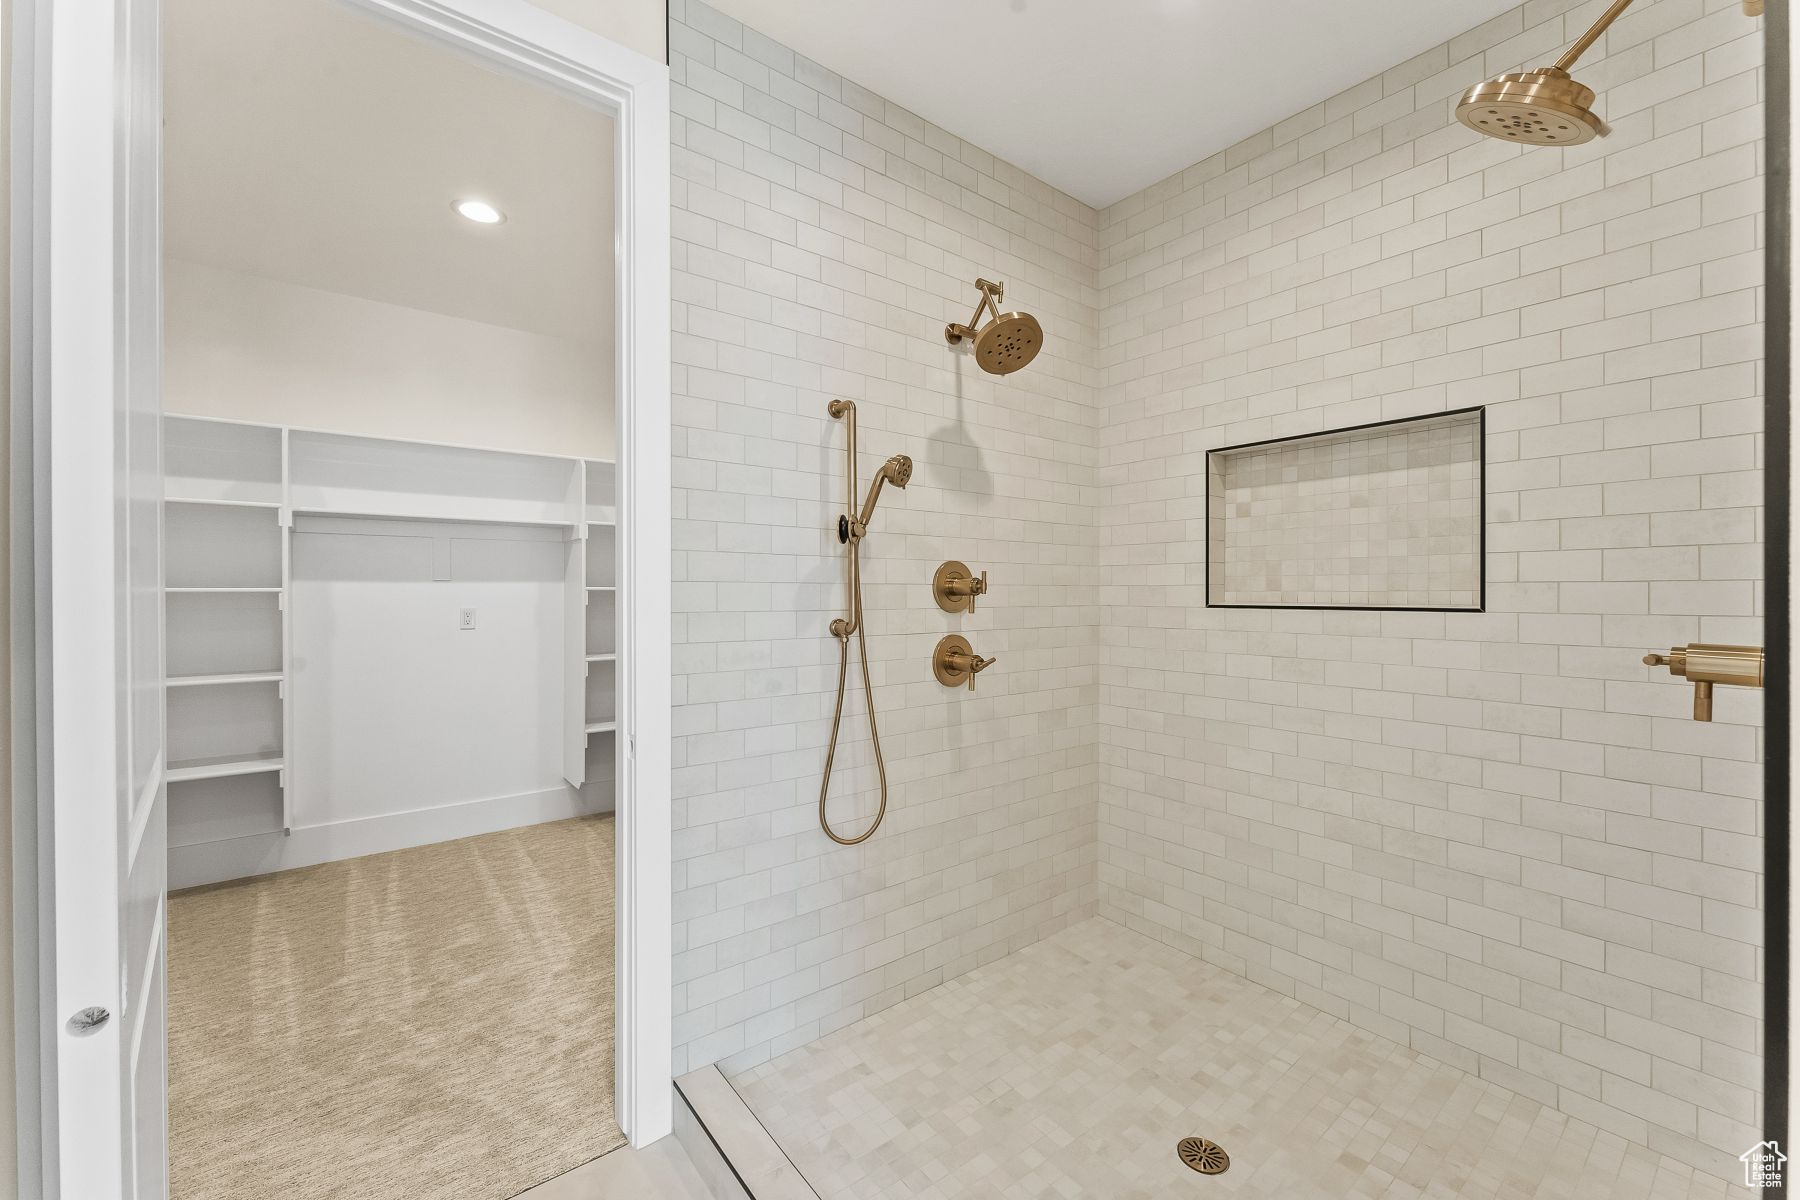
(391, 612)
(375, 643)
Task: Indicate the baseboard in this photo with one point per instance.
(309, 845)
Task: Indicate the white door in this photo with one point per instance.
(96, 360)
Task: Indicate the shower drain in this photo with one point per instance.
(1204, 1156)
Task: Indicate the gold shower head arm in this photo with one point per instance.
(1591, 36)
(991, 293)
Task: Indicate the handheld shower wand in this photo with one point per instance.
(898, 469)
(852, 526)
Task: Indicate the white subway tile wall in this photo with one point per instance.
(1496, 836)
(1383, 517)
(823, 238)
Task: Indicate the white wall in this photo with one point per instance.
(823, 239)
(638, 24)
(258, 349)
(397, 708)
(1496, 837)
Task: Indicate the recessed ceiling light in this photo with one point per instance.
(479, 211)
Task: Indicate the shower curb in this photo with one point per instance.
(735, 1155)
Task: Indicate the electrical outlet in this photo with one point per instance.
(466, 619)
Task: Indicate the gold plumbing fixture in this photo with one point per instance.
(1208, 1158)
(1004, 344)
(1544, 107)
(1704, 664)
(954, 587)
(852, 527)
(954, 662)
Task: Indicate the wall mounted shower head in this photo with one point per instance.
(1545, 107)
(1004, 344)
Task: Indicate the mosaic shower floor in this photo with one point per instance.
(1071, 1068)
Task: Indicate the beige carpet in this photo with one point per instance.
(431, 1024)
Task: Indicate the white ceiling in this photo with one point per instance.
(309, 143)
(1102, 98)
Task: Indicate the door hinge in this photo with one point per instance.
(88, 1020)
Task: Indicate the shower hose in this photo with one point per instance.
(842, 629)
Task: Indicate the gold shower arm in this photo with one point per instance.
(991, 295)
(1592, 35)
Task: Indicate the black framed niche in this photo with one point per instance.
(1389, 516)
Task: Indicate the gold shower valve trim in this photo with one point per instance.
(955, 587)
(1704, 663)
(955, 662)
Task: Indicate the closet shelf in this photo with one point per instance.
(220, 768)
(222, 591)
(176, 681)
(215, 502)
(603, 727)
(402, 512)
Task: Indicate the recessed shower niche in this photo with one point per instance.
(1386, 516)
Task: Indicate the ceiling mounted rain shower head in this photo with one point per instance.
(1004, 344)
(1545, 107)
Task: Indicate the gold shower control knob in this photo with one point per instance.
(955, 663)
(1704, 664)
(954, 587)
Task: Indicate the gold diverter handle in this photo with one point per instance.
(955, 663)
(1704, 664)
(955, 587)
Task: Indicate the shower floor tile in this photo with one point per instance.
(1071, 1068)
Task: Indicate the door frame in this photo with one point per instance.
(1780, 1005)
(632, 88)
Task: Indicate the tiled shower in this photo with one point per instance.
(1486, 832)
